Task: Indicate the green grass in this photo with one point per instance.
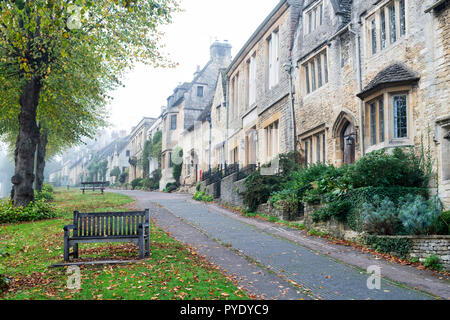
(173, 271)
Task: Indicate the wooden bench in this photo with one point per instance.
(108, 227)
(93, 186)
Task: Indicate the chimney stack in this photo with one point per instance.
(221, 51)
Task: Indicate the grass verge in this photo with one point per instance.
(174, 271)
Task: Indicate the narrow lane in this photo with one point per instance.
(322, 276)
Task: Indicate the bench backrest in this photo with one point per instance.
(104, 224)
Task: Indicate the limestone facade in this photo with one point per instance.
(138, 137)
(370, 76)
(187, 103)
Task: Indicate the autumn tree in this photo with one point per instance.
(39, 38)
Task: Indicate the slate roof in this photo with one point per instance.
(395, 74)
(346, 9)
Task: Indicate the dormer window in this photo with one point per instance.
(313, 17)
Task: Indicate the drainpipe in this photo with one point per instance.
(288, 68)
(359, 71)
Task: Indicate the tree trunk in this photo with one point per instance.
(42, 148)
(22, 193)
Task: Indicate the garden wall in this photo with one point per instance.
(230, 190)
(422, 247)
(332, 227)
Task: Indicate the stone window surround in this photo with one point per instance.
(375, 13)
(442, 129)
(321, 53)
(312, 21)
(389, 140)
(311, 135)
(271, 140)
(273, 79)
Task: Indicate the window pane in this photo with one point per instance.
(200, 91)
(319, 69)
(392, 24)
(373, 124)
(306, 153)
(381, 119)
(400, 118)
(313, 75)
(402, 18)
(321, 13)
(318, 149)
(308, 88)
(373, 34)
(310, 22)
(383, 28)
(173, 122)
(315, 18)
(323, 148)
(325, 66)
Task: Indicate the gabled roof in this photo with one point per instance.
(395, 74)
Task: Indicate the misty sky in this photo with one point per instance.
(187, 42)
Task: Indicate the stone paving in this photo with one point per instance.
(320, 276)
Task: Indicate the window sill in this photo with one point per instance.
(390, 144)
(388, 48)
(317, 90)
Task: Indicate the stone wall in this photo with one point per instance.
(332, 227)
(230, 190)
(424, 246)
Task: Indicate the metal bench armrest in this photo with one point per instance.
(69, 227)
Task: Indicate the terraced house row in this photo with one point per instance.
(333, 79)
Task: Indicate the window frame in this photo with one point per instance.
(395, 14)
(385, 109)
(315, 71)
(172, 126)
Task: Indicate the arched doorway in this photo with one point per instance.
(346, 139)
(348, 142)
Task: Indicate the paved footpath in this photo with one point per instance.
(268, 260)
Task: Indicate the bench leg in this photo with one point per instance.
(147, 247)
(141, 247)
(66, 248)
(75, 251)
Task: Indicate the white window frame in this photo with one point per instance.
(274, 58)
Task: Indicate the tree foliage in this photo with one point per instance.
(64, 56)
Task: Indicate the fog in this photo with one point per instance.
(6, 172)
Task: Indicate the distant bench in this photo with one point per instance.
(108, 227)
(93, 186)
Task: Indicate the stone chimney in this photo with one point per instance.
(221, 51)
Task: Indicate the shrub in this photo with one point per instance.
(419, 216)
(201, 196)
(381, 169)
(381, 217)
(398, 246)
(136, 183)
(47, 188)
(357, 198)
(123, 177)
(37, 210)
(170, 187)
(302, 186)
(432, 262)
(177, 165)
(260, 187)
(443, 224)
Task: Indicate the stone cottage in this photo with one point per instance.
(138, 137)
(372, 75)
(187, 103)
(260, 109)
